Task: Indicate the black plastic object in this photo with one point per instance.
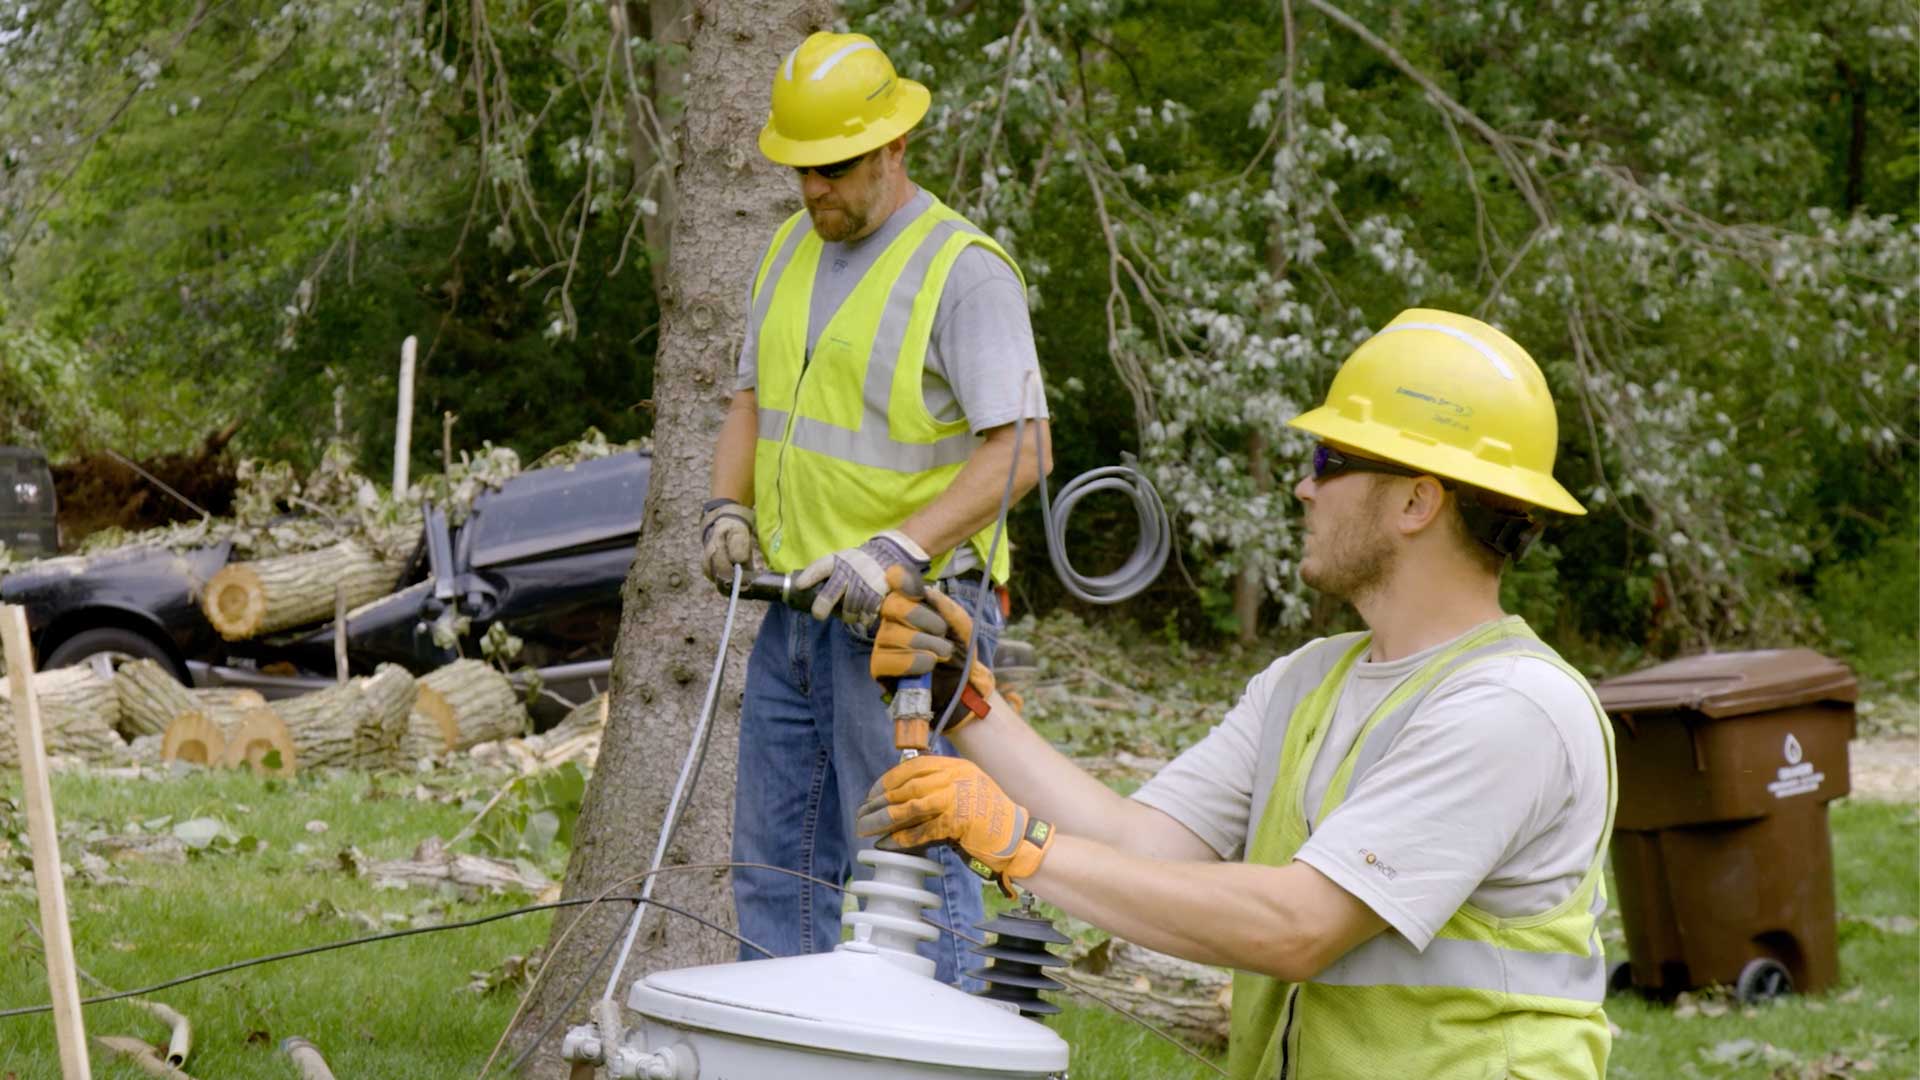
(1018, 960)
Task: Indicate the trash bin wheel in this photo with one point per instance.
(1762, 980)
(1620, 977)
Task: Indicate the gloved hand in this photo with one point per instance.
(924, 630)
(931, 799)
(726, 534)
(856, 579)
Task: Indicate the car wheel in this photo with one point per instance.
(107, 647)
(1762, 980)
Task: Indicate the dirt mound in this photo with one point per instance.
(98, 492)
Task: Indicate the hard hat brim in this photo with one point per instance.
(914, 100)
(1446, 462)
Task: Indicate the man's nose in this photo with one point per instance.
(1303, 490)
(814, 186)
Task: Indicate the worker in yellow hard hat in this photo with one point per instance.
(1396, 837)
(888, 354)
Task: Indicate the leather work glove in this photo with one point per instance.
(932, 799)
(856, 579)
(726, 535)
(924, 630)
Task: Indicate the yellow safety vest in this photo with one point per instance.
(1491, 997)
(846, 447)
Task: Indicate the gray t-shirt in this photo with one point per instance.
(1494, 793)
(982, 344)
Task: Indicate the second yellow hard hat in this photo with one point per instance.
(1454, 397)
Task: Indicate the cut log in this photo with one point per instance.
(194, 739)
(245, 600)
(434, 866)
(77, 711)
(259, 734)
(575, 738)
(229, 697)
(430, 730)
(390, 694)
(150, 697)
(481, 703)
(145, 750)
(332, 727)
(1187, 999)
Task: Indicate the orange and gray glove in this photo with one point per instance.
(924, 630)
(726, 537)
(932, 799)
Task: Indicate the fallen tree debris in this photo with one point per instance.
(477, 702)
(432, 865)
(150, 698)
(77, 711)
(247, 599)
(1191, 1000)
(576, 738)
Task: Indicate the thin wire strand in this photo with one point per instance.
(388, 936)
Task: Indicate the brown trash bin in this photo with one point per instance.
(1721, 854)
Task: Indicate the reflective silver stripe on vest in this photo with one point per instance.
(872, 445)
(764, 299)
(1390, 960)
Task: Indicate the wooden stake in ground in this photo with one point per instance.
(44, 838)
(245, 600)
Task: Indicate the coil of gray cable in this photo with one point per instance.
(1150, 552)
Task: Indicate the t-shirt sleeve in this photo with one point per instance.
(1209, 787)
(983, 343)
(1478, 772)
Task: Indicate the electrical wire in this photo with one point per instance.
(289, 954)
(1150, 552)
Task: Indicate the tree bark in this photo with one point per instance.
(477, 702)
(1250, 587)
(77, 712)
(245, 600)
(731, 200)
(150, 698)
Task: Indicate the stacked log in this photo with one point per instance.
(150, 698)
(255, 740)
(357, 724)
(247, 599)
(473, 701)
(77, 713)
(575, 738)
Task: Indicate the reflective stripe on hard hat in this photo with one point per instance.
(1479, 346)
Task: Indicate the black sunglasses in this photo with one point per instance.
(1329, 463)
(833, 171)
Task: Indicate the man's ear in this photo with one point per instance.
(1423, 506)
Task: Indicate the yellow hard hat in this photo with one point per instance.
(836, 96)
(1451, 396)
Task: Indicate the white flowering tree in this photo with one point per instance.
(1700, 221)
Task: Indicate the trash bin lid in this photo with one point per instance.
(1732, 683)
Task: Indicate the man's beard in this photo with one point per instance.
(849, 221)
(1355, 557)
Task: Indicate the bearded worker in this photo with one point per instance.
(887, 357)
(1396, 837)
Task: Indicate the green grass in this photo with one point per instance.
(400, 1009)
(390, 1009)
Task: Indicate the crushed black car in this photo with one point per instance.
(544, 556)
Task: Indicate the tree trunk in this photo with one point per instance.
(150, 698)
(731, 202)
(77, 714)
(247, 599)
(472, 699)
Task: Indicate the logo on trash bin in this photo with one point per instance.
(1796, 777)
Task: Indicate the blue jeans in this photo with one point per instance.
(814, 736)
